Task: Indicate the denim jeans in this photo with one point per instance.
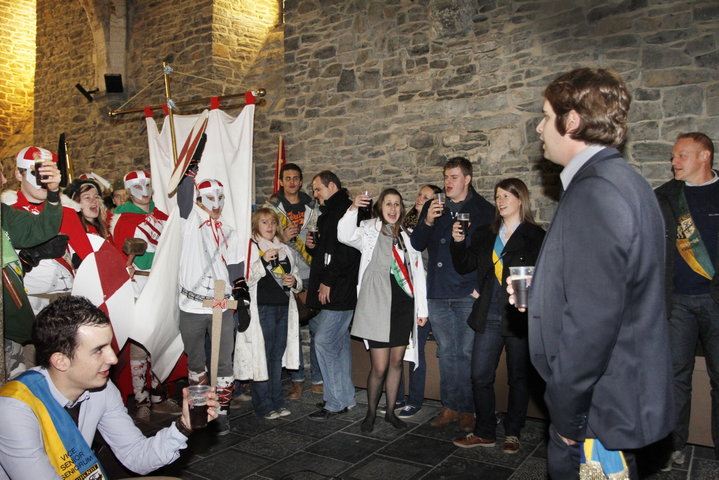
(267, 395)
(315, 373)
(334, 355)
(454, 349)
(485, 358)
(417, 377)
(692, 318)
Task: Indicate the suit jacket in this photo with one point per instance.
(597, 327)
(521, 249)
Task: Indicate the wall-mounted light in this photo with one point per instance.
(86, 93)
(113, 83)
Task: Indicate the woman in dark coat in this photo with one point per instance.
(513, 239)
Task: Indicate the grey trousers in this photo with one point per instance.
(193, 327)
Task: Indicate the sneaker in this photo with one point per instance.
(168, 406)
(223, 425)
(324, 414)
(445, 417)
(272, 415)
(283, 412)
(471, 441)
(409, 411)
(677, 456)
(511, 444)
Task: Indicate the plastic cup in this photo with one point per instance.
(521, 280)
(463, 219)
(198, 395)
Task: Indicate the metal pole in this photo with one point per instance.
(166, 70)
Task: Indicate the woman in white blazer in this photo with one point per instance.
(391, 294)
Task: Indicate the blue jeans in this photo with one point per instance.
(417, 377)
(693, 318)
(315, 373)
(485, 358)
(267, 395)
(334, 355)
(454, 349)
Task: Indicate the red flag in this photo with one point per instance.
(279, 163)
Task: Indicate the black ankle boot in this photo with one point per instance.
(368, 423)
(394, 421)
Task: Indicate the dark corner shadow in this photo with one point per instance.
(548, 177)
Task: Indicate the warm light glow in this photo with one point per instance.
(17, 62)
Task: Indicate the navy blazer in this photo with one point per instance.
(597, 326)
(443, 281)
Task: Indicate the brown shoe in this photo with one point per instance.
(296, 390)
(511, 444)
(471, 441)
(445, 417)
(168, 406)
(318, 388)
(466, 422)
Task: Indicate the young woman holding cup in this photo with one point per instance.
(512, 239)
(391, 299)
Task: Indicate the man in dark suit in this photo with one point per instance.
(596, 307)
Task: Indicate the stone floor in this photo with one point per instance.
(295, 447)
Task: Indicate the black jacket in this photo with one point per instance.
(668, 198)
(333, 263)
(522, 249)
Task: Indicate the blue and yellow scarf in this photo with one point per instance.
(66, 449)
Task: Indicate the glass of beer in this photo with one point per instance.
(463, 219)
(198, 395)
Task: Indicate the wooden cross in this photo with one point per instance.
(217, 304)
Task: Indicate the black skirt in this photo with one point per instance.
(401, 318)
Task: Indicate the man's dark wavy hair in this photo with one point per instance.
(55, 327)
(601, 99)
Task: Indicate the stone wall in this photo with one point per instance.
(211, 45)
(384, 91)
(17, 62)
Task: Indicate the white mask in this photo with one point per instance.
(212, 194)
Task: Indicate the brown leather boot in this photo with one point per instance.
(296, 392)
(466, 422)
(445, 417)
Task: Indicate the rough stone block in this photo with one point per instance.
(683, 101)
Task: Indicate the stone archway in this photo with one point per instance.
(108, 24)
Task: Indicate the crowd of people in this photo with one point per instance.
(624, 288)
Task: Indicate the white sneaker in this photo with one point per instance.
(677, 457)
(273, 415)
(283, 412)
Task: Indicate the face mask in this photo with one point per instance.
(213, 201)
(141, 188)
(212, 194)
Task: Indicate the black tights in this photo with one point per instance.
(386, 369)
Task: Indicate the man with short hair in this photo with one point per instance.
(52, 412)
(332, 290)
(296, 212)
(597, 298)
(451, 295)
(690, 205)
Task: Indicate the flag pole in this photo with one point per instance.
(166, 71)
(278, 164)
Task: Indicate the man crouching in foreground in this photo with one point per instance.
(51, 413)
